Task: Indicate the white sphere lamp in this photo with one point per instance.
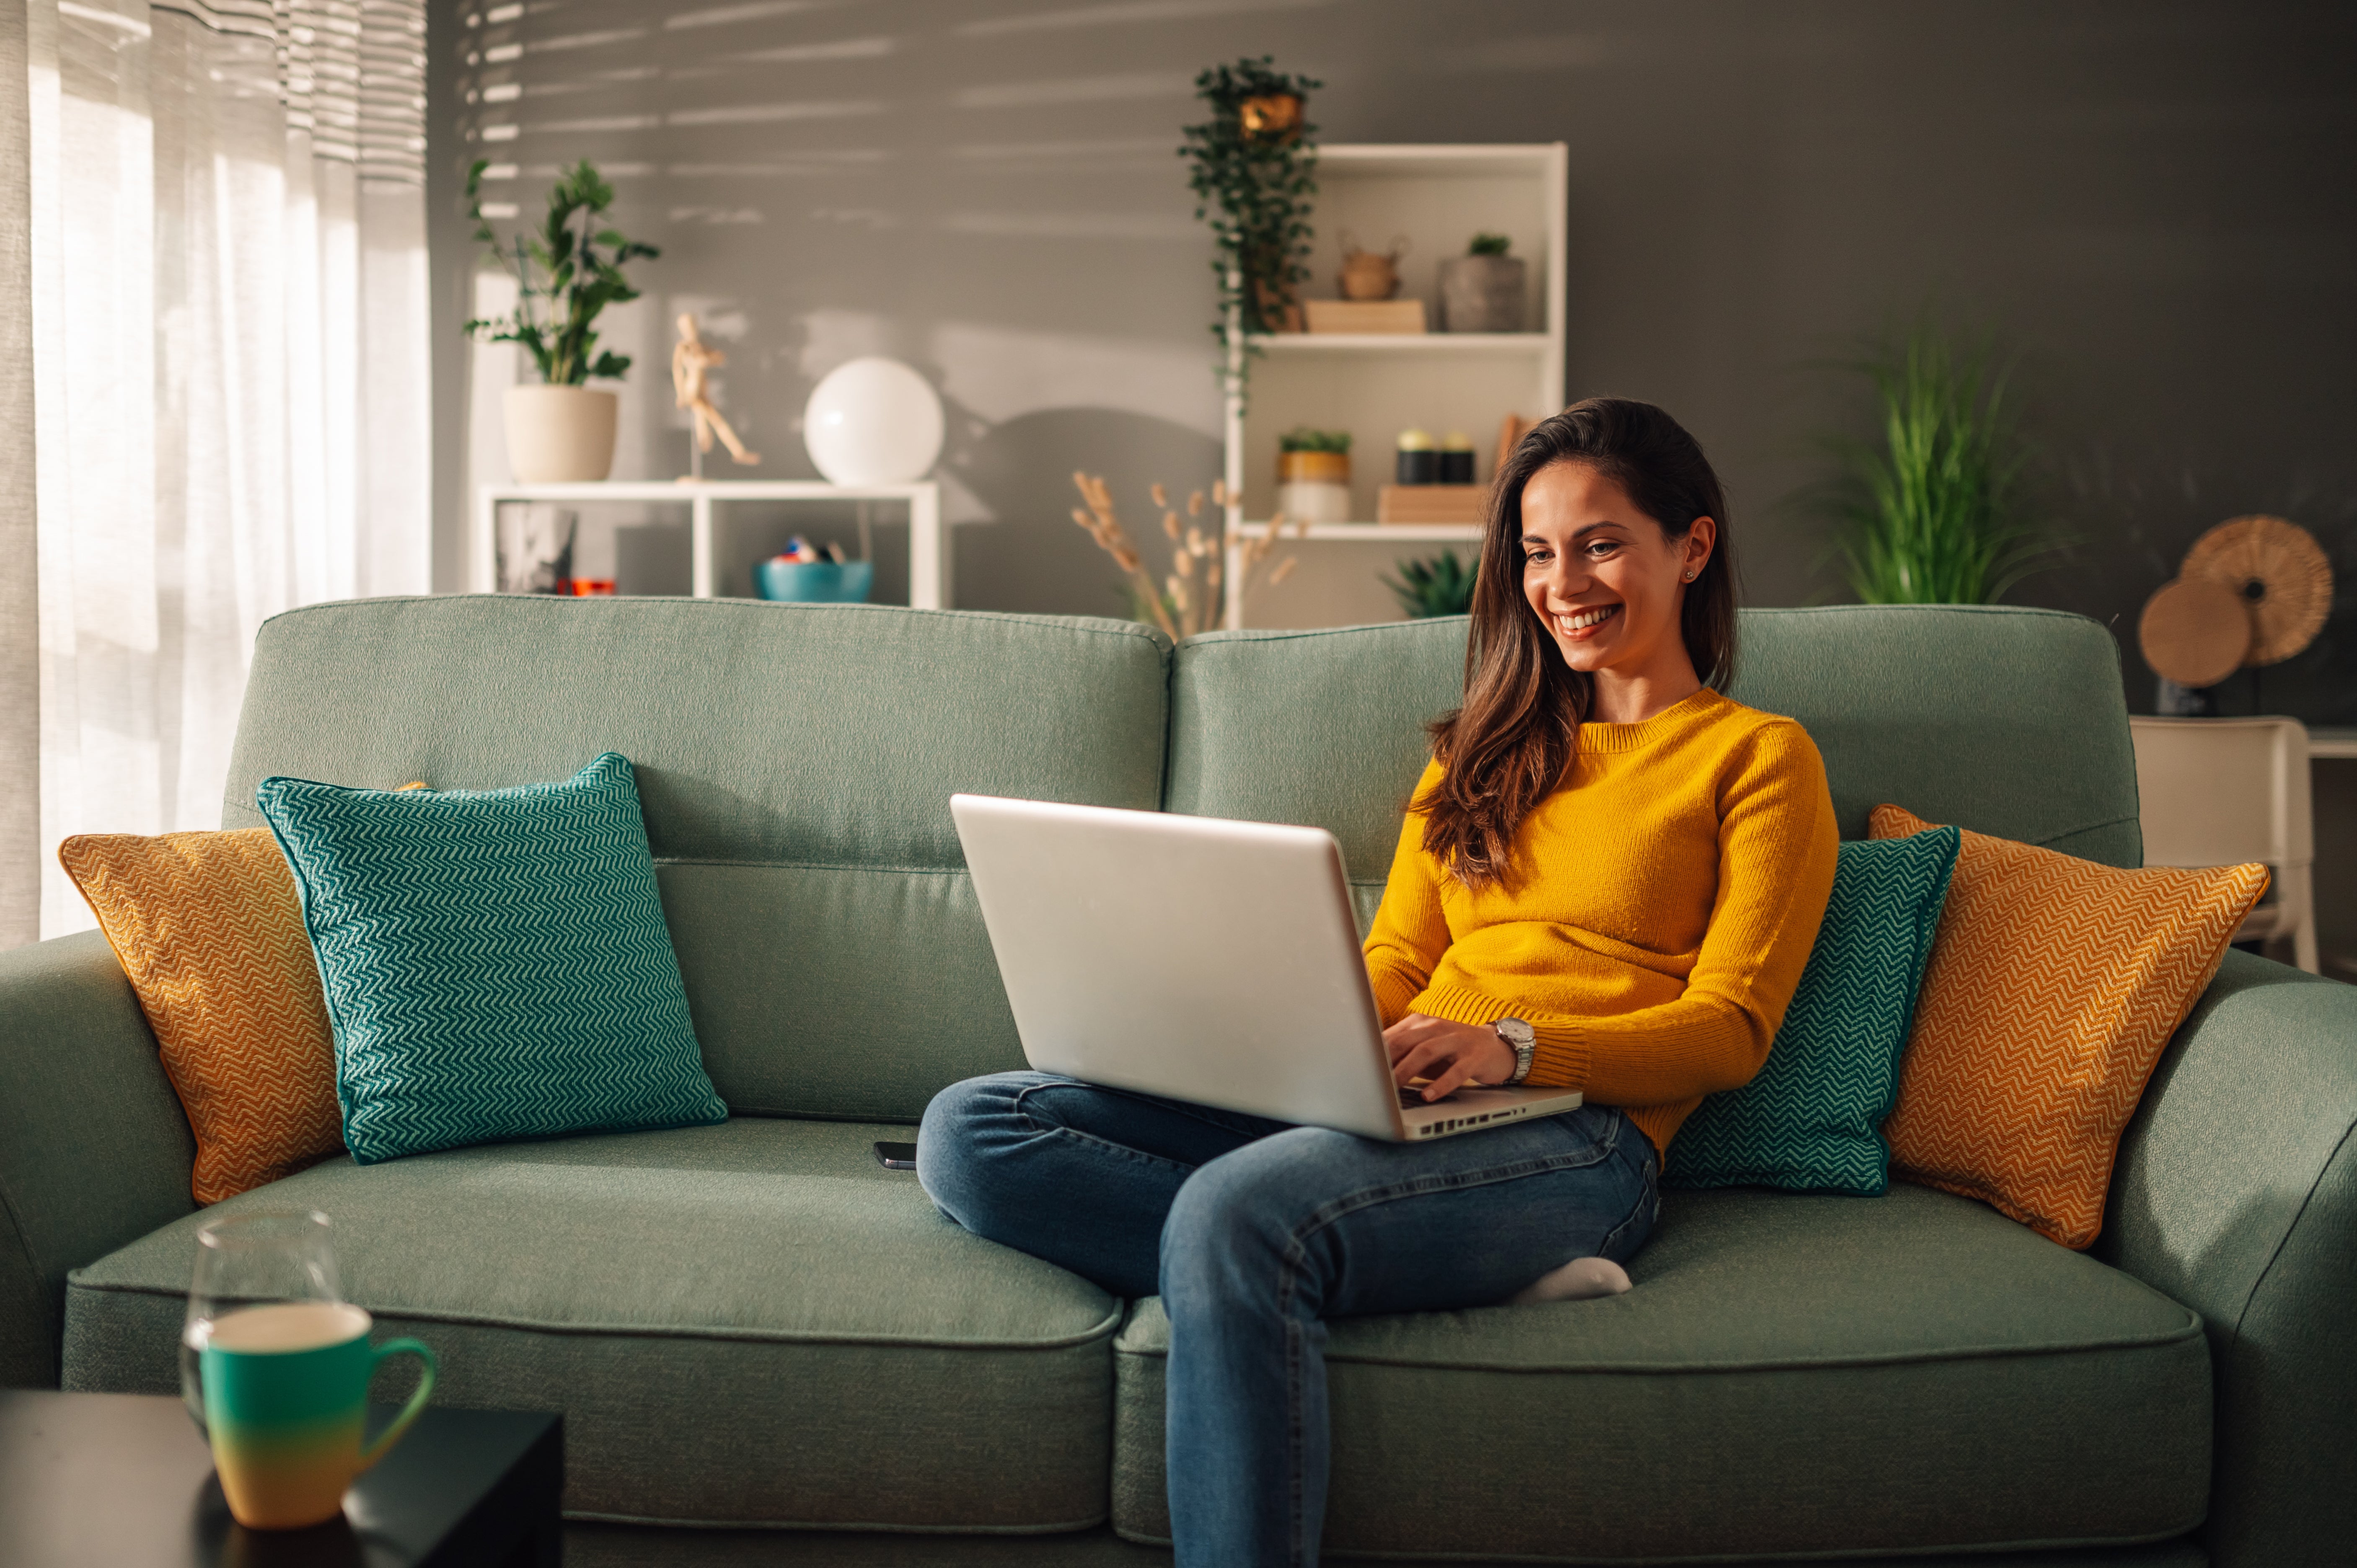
(873, 421)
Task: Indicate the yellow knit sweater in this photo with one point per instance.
(1661, 907)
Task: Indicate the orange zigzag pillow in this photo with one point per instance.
(209, 928)
(2053, 986)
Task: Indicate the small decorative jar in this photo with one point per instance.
(1456, 458)
(1419, 463)
(1369, 275)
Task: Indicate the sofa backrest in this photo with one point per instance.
(2007, 721)
(795, 763)
(1321, 727)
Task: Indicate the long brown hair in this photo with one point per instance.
(1513, 740)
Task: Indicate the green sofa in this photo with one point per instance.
(768, 1347)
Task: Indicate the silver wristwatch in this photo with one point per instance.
(1523, 1038)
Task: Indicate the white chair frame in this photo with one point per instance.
(2225, 791)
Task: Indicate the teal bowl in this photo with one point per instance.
(815, 582)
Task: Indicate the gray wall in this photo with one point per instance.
(2150, 199)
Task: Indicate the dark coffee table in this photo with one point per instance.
(125, 1481)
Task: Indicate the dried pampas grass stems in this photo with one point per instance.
(1189, 597)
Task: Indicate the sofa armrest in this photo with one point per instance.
(2236, 1193)
(94, 1149)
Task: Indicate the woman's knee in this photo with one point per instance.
(1236, 1222)
(954, 1136)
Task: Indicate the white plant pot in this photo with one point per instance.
(1313, 500)
(560, 434)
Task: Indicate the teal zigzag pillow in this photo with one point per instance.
(496, 962)
(1812, 1121)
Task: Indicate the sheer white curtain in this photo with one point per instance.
(229, 379)
(20, 611)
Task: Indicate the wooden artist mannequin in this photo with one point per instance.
(691, 360)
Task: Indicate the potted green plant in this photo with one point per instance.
(1313, 475)
(1484, 290)
(1933, 512)
(565, 273)
(1438, 585)
(1254, 173)
(1303, 453)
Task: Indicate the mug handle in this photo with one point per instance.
(416, 1405)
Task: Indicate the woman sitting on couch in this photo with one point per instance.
(1609, 878)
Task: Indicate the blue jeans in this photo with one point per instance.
(1254, 1233)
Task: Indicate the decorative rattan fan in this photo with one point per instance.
(2281, 573)
(2251, 591)
(2194, 631)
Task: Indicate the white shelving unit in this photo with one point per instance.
(1397, 343)
(929, 559)
(1375, 386)
(1368, 532)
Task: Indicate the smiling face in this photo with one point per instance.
(1606, 582)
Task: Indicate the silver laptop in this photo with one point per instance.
(1202, 960)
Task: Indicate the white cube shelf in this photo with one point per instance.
(929, 562)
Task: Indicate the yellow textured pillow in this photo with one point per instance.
(209, 928)
(2054, 985)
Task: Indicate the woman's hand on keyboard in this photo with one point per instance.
(1451, 1055)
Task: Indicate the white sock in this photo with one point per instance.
(1575, 1280)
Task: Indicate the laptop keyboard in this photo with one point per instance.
(1411, 1098)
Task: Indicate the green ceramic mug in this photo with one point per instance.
(286, 1402)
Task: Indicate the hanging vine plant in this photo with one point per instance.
(1253, 172)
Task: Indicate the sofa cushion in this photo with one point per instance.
(1811, 1119)
(1791, 1375)
(746, 1323)
(209, 930)
(1319, 727)
(622, 1546)
(2053, 989)
(2005, 720)
(496, 962)
(795, 763)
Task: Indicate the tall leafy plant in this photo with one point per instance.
(1253, 172)
(1933, 512)
(565, 275)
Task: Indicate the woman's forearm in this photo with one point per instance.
(1698, 1045)
(1678, 1051)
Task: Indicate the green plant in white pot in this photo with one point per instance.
(560, 430)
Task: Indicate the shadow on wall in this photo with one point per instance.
(1034, 557)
